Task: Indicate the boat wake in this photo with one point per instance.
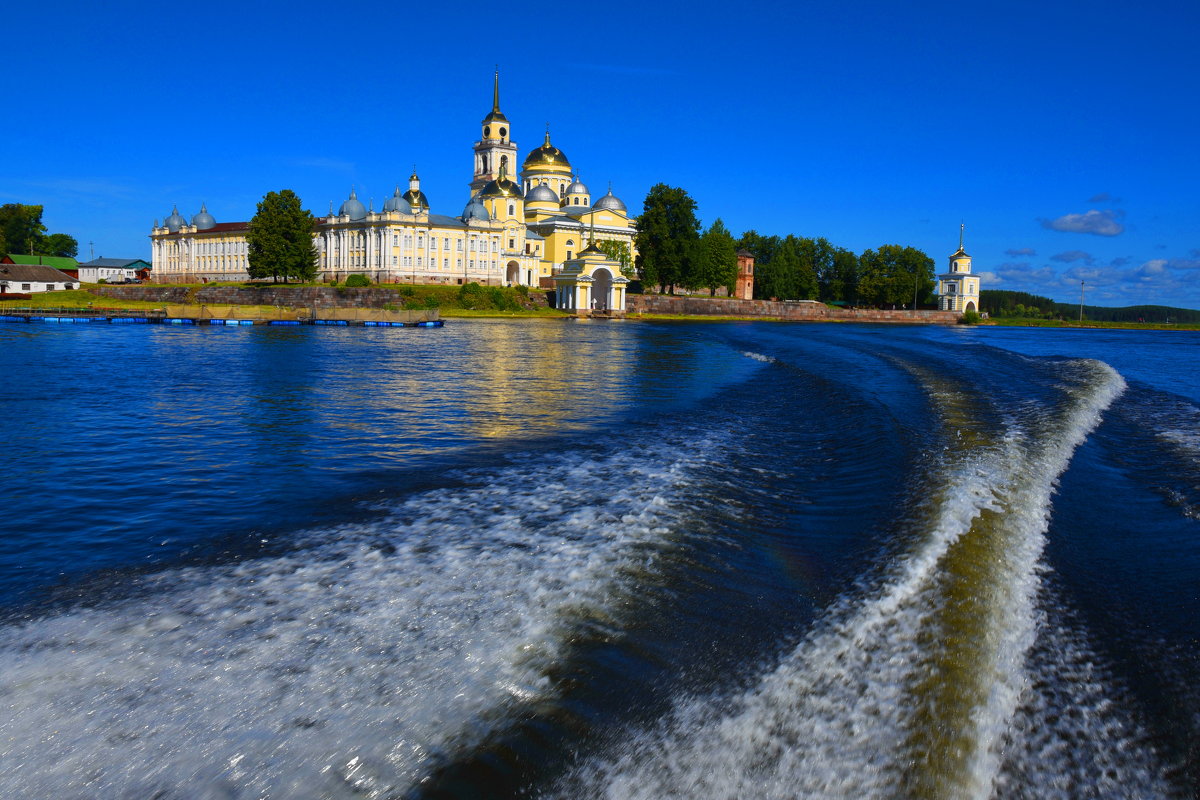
(918, 685)
(342, 668)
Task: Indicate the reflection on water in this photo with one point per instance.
(171, 436)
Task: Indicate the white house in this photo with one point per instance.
(29, 278)
(111, 270)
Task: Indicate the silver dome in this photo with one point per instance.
(175, 221)
(577, 187)
(541, 194)
(352, 208)
(204, 220)
(475, 210)
(611, 202)
(397, 203)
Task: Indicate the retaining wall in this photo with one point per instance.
(293, 296)
(775, 309)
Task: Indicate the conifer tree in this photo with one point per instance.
(716, 261)
(280, 243)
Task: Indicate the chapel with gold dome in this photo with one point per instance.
(520, 226)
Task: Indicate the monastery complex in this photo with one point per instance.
(540, 229)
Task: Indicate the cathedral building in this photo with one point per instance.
(518, 227)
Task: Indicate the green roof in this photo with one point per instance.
(58, 262)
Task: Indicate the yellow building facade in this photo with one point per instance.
(520, 226)
(958, 289)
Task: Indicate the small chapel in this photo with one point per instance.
(958, 289)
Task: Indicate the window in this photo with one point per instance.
(446, 263)
(395, 240)
(568, 255)
(49, 287)
(512, 210)
(394, 261)
(25, 287)
(459, 242)
(446, 243)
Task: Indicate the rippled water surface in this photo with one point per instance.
(553, 559)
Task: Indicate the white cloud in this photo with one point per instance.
(1099, 223)
(1020, 252)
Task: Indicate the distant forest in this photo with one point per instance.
(1002, 303)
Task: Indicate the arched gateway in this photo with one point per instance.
(591, 283)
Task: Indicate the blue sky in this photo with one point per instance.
(1064, 134)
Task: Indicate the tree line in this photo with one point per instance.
(1007, 304)
(673, 253)
(22, 232)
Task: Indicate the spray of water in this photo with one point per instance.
(908, 688)
(343, 668)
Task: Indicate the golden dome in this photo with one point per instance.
(502, 187)
(546, 156)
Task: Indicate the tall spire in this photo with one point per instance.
(496, 91)
(961, 227)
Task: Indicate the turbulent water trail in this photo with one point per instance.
(343, 668)
(908, 688)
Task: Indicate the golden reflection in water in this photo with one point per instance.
(507, 378)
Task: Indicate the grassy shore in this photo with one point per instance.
(1058, 323)
(77, 299)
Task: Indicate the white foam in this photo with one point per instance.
(342, 668)
(832, 718)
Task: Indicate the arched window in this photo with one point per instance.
(512, 209)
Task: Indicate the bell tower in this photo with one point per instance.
(958, 289)
(495, 148)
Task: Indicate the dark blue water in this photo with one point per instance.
(540, 558)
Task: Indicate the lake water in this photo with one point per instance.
(599, 559)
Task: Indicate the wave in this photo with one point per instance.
(344, 667)
(910, 686)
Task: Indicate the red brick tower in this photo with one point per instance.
(744, 288)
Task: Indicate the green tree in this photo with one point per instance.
(715, 264)
(619, 252)
(892, 275)
(22, 228)
(667, 232)
(280, 239)
(843, 281)
(60, 244)
(812, 255)
(763, 248)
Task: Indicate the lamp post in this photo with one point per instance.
(1081, 301)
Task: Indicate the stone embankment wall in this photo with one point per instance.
(773, 309)
(293, 296)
